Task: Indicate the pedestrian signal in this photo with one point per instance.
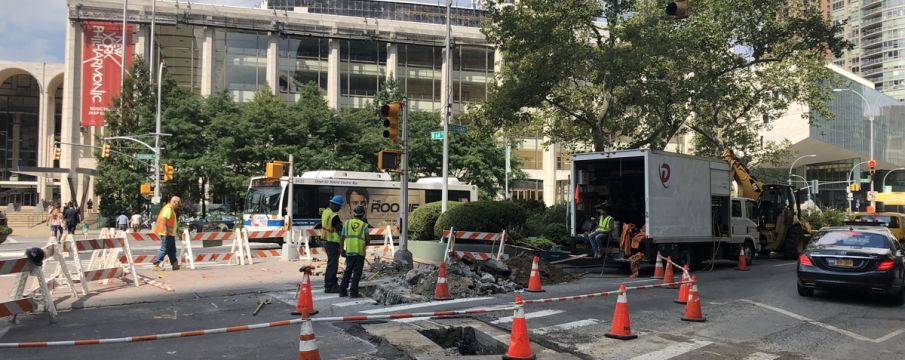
(390, 114)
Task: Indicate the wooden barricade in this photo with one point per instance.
(105, 263)
(451, 235)
(24, 268)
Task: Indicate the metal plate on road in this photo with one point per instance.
(436, 135)
(145, 156)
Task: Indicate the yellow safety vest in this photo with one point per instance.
(605, 224)
(354, 231)
(327, 231)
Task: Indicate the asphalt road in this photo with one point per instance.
(752, 315)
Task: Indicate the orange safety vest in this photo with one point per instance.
(165, 226)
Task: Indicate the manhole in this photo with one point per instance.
(464, 341)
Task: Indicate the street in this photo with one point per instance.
(750, 315)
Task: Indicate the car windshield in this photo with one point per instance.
(853, 239)
(262, 200)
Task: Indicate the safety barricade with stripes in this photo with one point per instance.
(54, 262)
(450, 236)
(105, 263)
(24, 268)
(387, 247)
(239, 251)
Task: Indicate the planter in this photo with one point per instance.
(431, 251)
(3, 238)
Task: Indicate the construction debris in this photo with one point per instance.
(550, 274)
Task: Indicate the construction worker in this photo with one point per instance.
(355, 238)
(601, 235)
(331, 225)
(167, 227)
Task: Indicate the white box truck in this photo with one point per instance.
(684, 203)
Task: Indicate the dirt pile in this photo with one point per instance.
(549, 274)
(465, 280)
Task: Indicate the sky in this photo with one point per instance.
(35, 30)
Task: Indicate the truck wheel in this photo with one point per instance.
(749, 252)
(790, 246)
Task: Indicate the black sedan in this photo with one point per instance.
(868, 259)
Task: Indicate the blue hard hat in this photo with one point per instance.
(337, 200)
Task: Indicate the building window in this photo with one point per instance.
(240, 62)
(301, 61)
(362, 70)
(420, 75)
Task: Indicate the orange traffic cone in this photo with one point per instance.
(441, 291)
(668, 276)
(683, 289)
(519, 345)
(693, 308)
(307, 345)
(534, 281)
(305, 303)
(622, 324)
(742, 261)
(658, 270)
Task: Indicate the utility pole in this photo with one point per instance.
(447, 109)
(404, 256)
(156, 199)
(151, 57)
(122, 58)
(290, 248)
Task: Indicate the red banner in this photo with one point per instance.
(101, 58)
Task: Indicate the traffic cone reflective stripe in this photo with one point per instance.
(682, 298)
(668, 276)
(305, 304)
(441, 291)
(534, 281)
(742, 261)
(519, 345)
(307, 344)
(693, 307)
(658, 270)
(622, 323)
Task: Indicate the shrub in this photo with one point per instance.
(531, 206)
(556, 214)
(485, 216)
(540, 242)
(558, 233)
(421, 223)
(825, 217)
(4, 230)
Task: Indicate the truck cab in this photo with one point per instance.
(744, 226)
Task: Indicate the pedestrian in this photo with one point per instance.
(167, 226)
(331, 225)
(135, 222)
(72, 217)
(90, 204)
(56, 222)
(122, 221)
(355, 238)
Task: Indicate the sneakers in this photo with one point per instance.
(156, 267)
(175, 267)
(343, 293)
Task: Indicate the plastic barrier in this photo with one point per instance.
(105, 255)
(238, 251)
(21, 303)
(61, 275)
(451, 235)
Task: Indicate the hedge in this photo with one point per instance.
(421, 223)
(484, 216)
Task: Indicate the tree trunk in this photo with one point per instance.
(598, 138)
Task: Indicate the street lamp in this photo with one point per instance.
(848, 188)
(156, 199)
(870, 118)
(883, 184)
(789, 180)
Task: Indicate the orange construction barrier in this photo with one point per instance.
(519, 345)
(441, 291)
(668, 276)
(307, 344)
(693, 308)
(534, 281)
(682, 298)
(305, 303)
(622, 323)
(658, 270)
(742, 261)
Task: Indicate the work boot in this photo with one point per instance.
(175, 267)
(343, 293)
(331, 290)
(355, 296)
(156, 267)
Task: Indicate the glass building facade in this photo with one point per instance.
(19, 106)
(302, 60)
(400, 11)
(240, 62)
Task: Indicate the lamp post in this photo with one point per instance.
(870, 118)
(447, 108)
(789, 180)
(883, 184)
(156, 199)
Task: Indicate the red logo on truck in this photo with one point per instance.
(664, 174)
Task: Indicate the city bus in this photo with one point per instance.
(268, 198)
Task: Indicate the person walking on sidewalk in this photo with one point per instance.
(331, 224)
(167, 227)
(355, 238)
(56, 222)
(72, 217)
(122, 221)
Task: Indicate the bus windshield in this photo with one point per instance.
(263, 200)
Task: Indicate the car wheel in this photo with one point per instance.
(805, 291)
(790, 246)
(898, 298)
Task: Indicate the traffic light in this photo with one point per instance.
(872, 165)
(146, 189)
(389, 159)
(274, 170)
(105, 151)
(855, 187)
(390, 114)
(57, 153)
(167, 173)
(677, 9)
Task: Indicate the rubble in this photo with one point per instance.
(521, 270)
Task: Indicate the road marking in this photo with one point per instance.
(786, 264)
(421, 305)
(354, 303)
(826, 326)
(530, 315)
(761, 356)
(565, 326)
(673, 350)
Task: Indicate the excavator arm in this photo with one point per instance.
(750, 186)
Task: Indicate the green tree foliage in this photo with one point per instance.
(620, 74)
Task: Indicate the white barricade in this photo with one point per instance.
(388, 248)
(53, 255)
(21, 303)
(451, 235)
(239, 250)
(105, 263)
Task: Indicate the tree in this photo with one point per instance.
(643, 78)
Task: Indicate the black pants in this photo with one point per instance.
(354, 266)
(332, 264)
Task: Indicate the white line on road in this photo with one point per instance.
(421, 305)
(565, 326)
(530, 315)
(354, 303)
(785, 264)
(826, 326)
(761, 356)
(673, 350)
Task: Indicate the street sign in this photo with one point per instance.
(147, 157)
(871, 196)
(436, 135)
(460, 129)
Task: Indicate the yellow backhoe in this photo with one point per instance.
(778, 213)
